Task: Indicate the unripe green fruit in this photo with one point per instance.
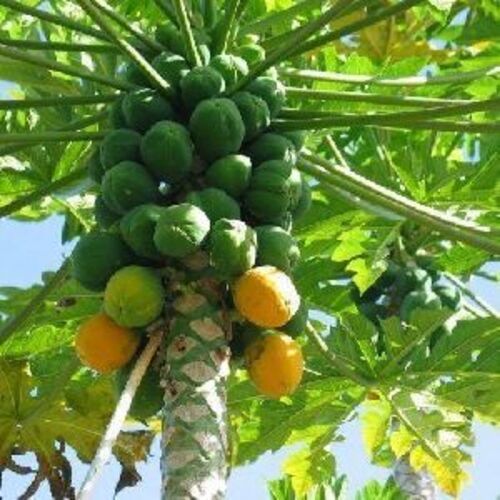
(276, 248)
(171, 38)
(231, 174)
(120, 145)
(94, 166)
(128, 185)
(171, 67)
(199, 84)
(231, 67)
(215, 203)
(252, 53)
(304, 201)
(142, 108)
(116, 116)
(104, 216)
(133, 74)
(134, 296)
(412, 279)
(298, 324)
(138, 228)
(233, 247)
(421, 299)
(272, 146)
(254, 113)
(167, 151)
(181, 229)
(96, 257)
(297, 137)
(217, 128)
(271, 90)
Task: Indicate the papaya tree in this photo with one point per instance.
(274, 209)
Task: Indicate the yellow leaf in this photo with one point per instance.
(401, 442)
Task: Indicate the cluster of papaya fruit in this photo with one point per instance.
(196, 170)
(404, 288)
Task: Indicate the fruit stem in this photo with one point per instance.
(58, 46)
(115, 425)
(33, 305)
(453, 227)
(127, 25)
(408, 81)
(338, 364)
(187, 33)
(56, 101)
(469, 293)
(53, 19)
(67, 69)
(153, 76)
(41, 137)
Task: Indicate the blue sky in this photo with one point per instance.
(28, 249)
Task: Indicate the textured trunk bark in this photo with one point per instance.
(416, 485)
(194, 437)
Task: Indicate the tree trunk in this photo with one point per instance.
(416, 485)
(194, 437)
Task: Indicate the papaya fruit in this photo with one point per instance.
(275, 364)
(254, 113)
(266, 297)
(450, 296)
(148, 399)
(231, 174)
(104, 216)
(304, 202)
(419, 299)
(284, 222)
(297, 137)
(217, 128)
(199, 84)
(94, 166)
(96, 257)
(271, 146)
(410, 279)
(180, 230)
(298, 322)
(232, 247)
(215, 203)
(134, 296)
(120, 145)
(172, 67)
(142, 108)
(138, 227)
(116, 116)
(167, 151)
(171, 38)
(276, 248)
(268, 195)
(103, 345)
(271, 90)
(134, 74)
(231, 67)
(127, 185)
(251, 52)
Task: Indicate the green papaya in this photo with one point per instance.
(142, 108)
(138, 228)
(268, 195)
(420, 299)
(231, 67)
(120, 145)
(96, 257)
(254, 113)
(284, 222)
(232, 247)
(199, 84)
(298, 323)
(304, 202)
(128, 185)
(243, 335)
(411, 279)
(172, 67)
(94, 166)
(171, 38)
(271, 146)
(148, 399)
(104, 216)
(231, 174)
(276, 248)
(217, 128)
(252, 53)
(296, 137)
(180, 230)
(116, 116)
(450, 296)
(215, 203)
(271, 90)
(134, 74)
(167, 151)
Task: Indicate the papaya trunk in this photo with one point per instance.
(417, 485)
(194, 438)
